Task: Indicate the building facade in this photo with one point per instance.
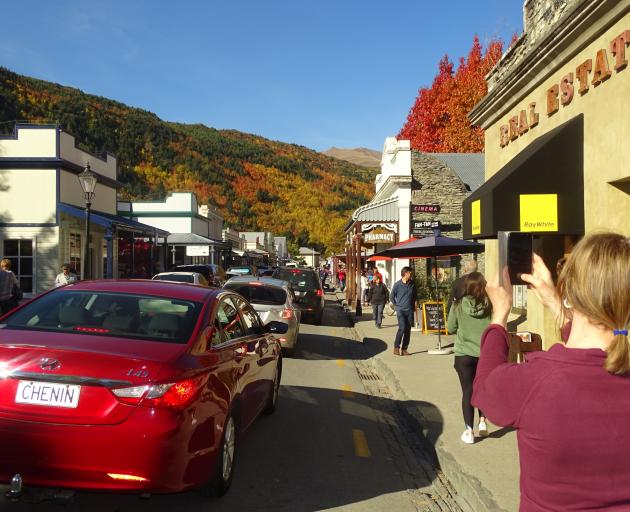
(556, 127)
(42, 212)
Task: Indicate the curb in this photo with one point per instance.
(472, 496)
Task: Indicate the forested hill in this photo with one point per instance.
(257, 184)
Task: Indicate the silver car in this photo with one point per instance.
(182, 277)
(272, 299)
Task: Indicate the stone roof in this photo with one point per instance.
(468, 166)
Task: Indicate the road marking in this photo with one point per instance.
(361, 448)
(340, 363)
(347, 390)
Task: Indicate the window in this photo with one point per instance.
(229, 320)
(259, 293)
(519, 297)
(20, 254)
(252, 323)
(74, 252)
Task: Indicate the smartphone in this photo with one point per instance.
(519, 256)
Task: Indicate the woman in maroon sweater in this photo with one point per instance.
(570, 404)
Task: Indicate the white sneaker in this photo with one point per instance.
(468, 437)
(483, 429)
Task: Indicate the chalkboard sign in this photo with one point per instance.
(434, 317)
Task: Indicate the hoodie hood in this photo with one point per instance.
(471, 309)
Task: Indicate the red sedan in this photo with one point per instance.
(132, 386)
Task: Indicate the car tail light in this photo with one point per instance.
(94, 330)
(170, 395)
(320, 292)
(255, 283)
(286, 313)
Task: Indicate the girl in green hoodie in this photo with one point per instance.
(469, 317)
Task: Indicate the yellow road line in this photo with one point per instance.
(361, 448)
(347, 390)
(340, 363)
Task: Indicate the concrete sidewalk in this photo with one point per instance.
(486, 474)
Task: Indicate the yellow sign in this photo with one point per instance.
(539, 212)
(475, 217)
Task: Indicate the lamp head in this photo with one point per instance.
(88, 180)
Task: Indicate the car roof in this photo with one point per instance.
(173, 290)
(281, 283)
(177, 274)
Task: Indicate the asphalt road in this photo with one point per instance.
(338, 441)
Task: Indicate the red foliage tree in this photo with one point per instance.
(438, 122)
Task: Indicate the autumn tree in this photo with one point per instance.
(438, 122)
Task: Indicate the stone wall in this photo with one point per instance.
(434, 183)
(539, 18)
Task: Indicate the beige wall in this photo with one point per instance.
(68, 151)
(31, 143)
(28, 196)
(606, 111)
(71, 193)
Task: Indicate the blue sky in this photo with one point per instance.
(319, 73)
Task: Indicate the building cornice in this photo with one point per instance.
(391, 185)
(573, 32)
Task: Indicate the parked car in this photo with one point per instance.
(267, 273)
(243, 270)
(272, 299)
(142, 386)
(213, 273)
(182, 277)
(307, 289)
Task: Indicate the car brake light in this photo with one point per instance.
(96, 330)
(171, 395)
(320, 292)
(287, 313)
(255, 283)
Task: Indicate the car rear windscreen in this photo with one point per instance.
(120, 315)
(180, 278)
(304, 279)
(257, 294)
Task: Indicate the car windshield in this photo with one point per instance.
(298, 278)
(109, 314)
(180, 278)
(259, 293)
(240, 270)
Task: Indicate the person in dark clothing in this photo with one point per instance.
(377, 295)
(458, 289)
(404, 297)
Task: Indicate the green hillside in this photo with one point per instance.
(257, 184)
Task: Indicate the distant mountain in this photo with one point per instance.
(358, 156)
(257, 184)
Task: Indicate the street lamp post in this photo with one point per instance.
(88, 180)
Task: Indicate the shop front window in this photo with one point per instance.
(20, 253)
(74, 252)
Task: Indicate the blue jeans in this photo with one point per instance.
(377, 309)
(405, 322)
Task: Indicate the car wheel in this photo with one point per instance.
(222, 480)
(273, 397)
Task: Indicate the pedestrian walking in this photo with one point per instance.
(341, 277)
(404, 297)
(378, 295)
(65, 277)
(365, 285)
(457, 288)
(9, 287)
(322, 276)
(468, 318)
(570, 404)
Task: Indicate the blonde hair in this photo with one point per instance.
(595, 281)
(5, 263)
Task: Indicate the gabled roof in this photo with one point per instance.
(468, 166)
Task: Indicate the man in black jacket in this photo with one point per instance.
(377, 295)
(404, 297)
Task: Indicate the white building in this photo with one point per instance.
(310, 256)
(42, 216)
(196, 231)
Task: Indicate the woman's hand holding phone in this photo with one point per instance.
(541, 282)
(501, 297)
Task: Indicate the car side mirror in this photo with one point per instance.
(276, 327)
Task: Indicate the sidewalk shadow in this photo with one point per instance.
(303, 459)
(317, 346)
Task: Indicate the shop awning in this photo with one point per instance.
(188, 239)
(379, 211)
(238, 253)
(108, 220)
(541, 190)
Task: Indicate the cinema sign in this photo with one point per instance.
(561, 94)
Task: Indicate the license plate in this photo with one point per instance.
(51, 394)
